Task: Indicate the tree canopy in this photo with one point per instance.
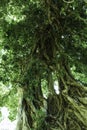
(43, 41)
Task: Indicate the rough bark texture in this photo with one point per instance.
(66, 111)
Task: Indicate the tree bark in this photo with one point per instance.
(65, 111)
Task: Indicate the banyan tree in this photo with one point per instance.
(44, 40)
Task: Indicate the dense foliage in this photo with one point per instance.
(43, 41)
(9, 99)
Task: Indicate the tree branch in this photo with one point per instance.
(68, 2)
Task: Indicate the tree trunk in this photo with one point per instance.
(31, 102)
(68, 110)
(65, 111)
(24, 117)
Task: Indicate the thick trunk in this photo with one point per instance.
(31, 102)
(68, 110)
(65, 111)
